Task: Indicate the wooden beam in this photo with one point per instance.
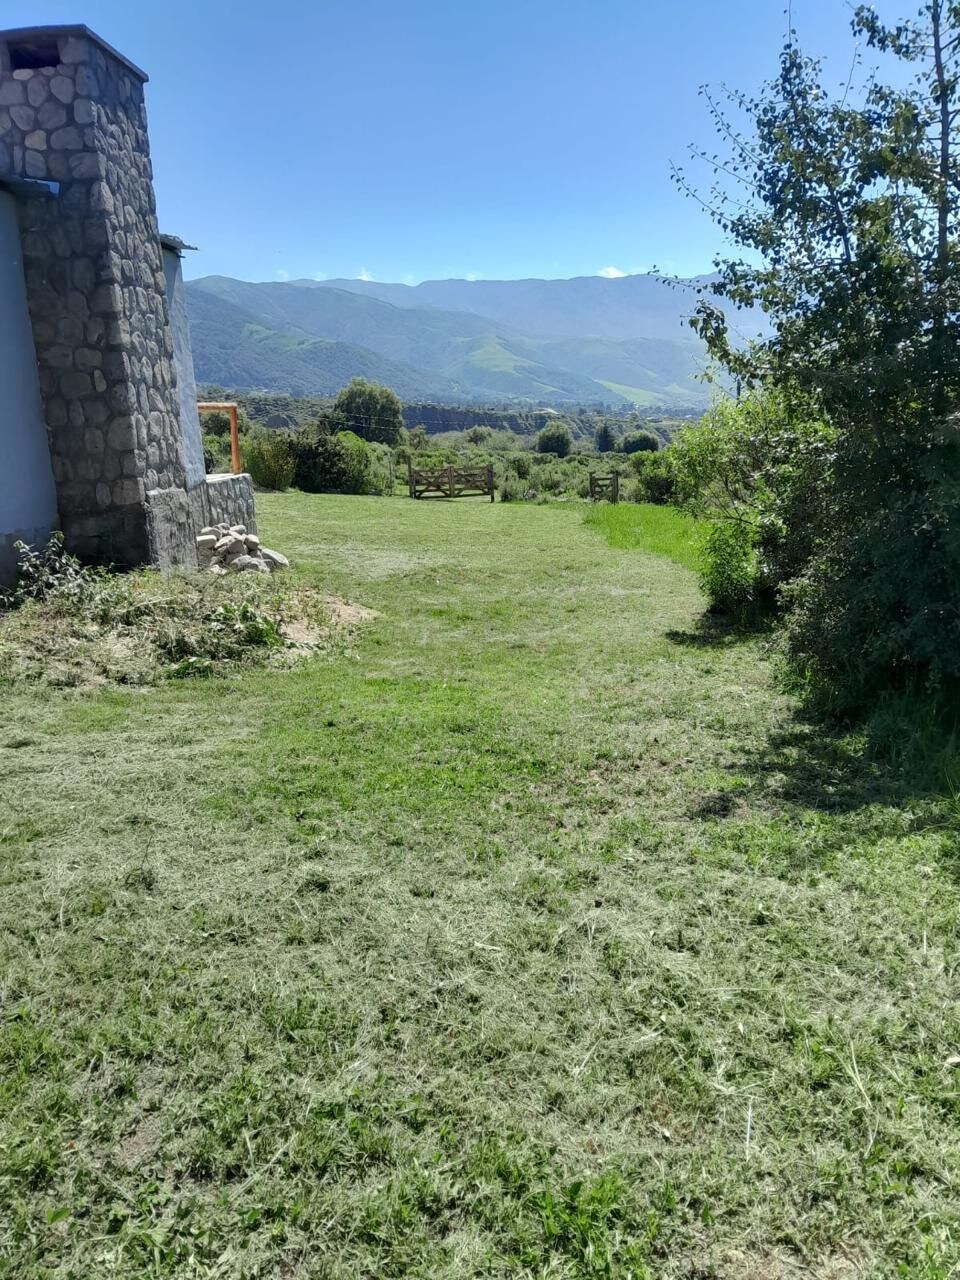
(229, 407)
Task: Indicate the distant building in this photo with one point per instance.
(99, 433)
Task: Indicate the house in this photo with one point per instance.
(99, 433)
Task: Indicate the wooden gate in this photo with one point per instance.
(605, 488)
(451, 482)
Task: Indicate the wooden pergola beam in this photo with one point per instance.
(228, 407)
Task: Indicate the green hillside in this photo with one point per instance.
(310, 340)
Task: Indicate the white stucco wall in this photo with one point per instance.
(183, 361)
(28, 501)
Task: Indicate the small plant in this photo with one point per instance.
(49, 573)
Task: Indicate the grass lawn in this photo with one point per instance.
(531, 936)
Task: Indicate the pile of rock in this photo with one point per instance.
(228, 548)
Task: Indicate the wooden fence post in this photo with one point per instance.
(410, 484)
(490, 480)
(616, 486)
(450, 486)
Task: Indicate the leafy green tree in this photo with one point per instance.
(370, 411)
(847, 210)
(418, 439)
(640, 442)
(604, 439)
(555, 438)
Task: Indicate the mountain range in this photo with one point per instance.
(587, 340)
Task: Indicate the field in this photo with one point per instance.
(532, 935)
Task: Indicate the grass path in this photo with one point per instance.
(532, 937)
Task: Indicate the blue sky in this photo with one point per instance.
(420, 139)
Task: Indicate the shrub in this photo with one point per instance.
(640, 442)
(729, 570)
(511, 490)
(555, 438)
(520, 465)
(656, 478)
(763, 463)
(341, 463)
(271, 459)
(877, 609)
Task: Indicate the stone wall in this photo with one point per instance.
(225, 499)
(96, 288)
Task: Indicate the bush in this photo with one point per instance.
(656, 478)
(762, 463)
(555, 438)
(877, 609)
(520, 465)
(271, 459)
(730, 568)
(341, 463)
(640, 442)
(511, 490)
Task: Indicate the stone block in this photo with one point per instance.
(126, 492)
(62, 89)
(38, 91)
(12, 92)
(66, 139)
(274, 559)
(74, 384)
(52, 116)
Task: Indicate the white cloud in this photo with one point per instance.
(319, 275)
(409, 278)
(611, 273)
(282, 275)
(473, 275)
(364, 274)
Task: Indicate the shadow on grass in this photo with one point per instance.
(719, 631)
(874, 786)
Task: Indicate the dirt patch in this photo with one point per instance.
(345, 614)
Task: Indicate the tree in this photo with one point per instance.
(640, 442)
(555, 438)
(604, 439)
(847, 211)
(418, 438)
(370, 411)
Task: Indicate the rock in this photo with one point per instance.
(239, 529)
(217, 568)
(229, 546)
(209, 529)
(252, 541)
(250, 564)
(274, 559)
(205, 545)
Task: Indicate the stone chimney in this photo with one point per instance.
(74, 154)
